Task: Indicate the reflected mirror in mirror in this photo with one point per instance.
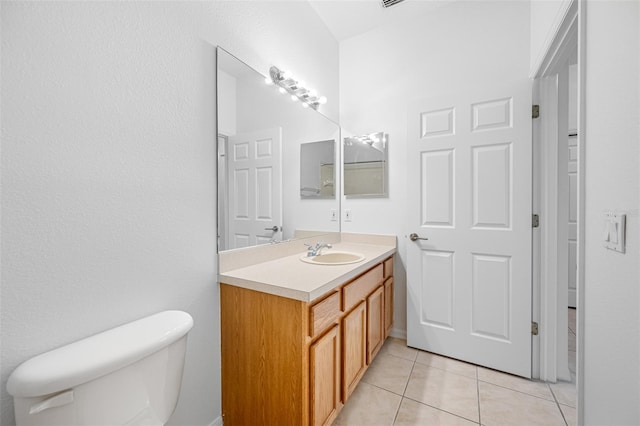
(259, 135)
(365, 165)
(317, 170)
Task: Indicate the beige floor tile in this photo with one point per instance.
(369, 405)
(413, 413)
(500, 406)
(449, 364)
(516, 383)
(565, 393)
(399, 348)
(572, 320)
(389, 372)
(570, 415)
(572, 361)
(444, 390)
(572, 342)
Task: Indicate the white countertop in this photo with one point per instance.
(290, 277)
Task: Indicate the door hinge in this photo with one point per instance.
(535, 220)
(535, 111)
(534, 328)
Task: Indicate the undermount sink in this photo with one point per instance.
(334, 258)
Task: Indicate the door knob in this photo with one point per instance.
(274, 228)
(414, 237)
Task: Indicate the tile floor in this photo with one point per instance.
(405, 386)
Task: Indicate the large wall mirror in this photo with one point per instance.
(365, 166)
(261, 138)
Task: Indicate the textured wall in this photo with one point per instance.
(108, 166)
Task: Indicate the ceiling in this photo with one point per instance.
(349, 18)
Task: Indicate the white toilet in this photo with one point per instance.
(129, 375)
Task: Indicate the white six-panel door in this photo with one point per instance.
(255, 182)
(470, 189)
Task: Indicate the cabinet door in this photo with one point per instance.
(388, 306)
(324, 356)
(354, 344)
(375, 322)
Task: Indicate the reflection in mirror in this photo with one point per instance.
(365, 166)
(259, 136)
(317, 174)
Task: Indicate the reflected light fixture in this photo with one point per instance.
(287, 84)
(372, 139)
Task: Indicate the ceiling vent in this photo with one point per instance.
(389, 3)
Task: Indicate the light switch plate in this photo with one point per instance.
(614, 231)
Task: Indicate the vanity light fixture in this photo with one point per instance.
(287, 84)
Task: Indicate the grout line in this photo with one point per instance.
(515, 390)
(395, 418)
(558, 405)
(478, 394)
(440, 409)
(452, 372)
(407, 384)
(420, 402)
(396, 356)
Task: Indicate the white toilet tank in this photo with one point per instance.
(129, 375)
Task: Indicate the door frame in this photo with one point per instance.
(547, 295)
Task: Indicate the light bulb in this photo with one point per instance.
(305, 105)
(322, 100)
(282, 90)
(268, 81)
(294, 98)
(287, 74)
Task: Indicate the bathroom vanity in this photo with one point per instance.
(298, 337)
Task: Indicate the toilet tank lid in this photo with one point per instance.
(95, 356)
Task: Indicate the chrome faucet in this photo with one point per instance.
(315, 250)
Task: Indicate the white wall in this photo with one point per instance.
(108, 166)
(612, 280)
(226, 96)
(454, 48)
(546, 16)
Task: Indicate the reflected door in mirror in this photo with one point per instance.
(254, 176)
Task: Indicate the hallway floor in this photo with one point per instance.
(405, 386)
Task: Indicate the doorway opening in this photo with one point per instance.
(559, 200)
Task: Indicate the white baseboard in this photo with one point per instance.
(398, 333)
(217, 422)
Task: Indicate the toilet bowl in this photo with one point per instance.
(129, 375)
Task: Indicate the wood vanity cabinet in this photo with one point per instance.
(354, 354)
(388, 306)
(375, 323)
(324, 356)
(288, 362)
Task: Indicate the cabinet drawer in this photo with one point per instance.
(361, 287)
(324, 313)
(388, 267)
